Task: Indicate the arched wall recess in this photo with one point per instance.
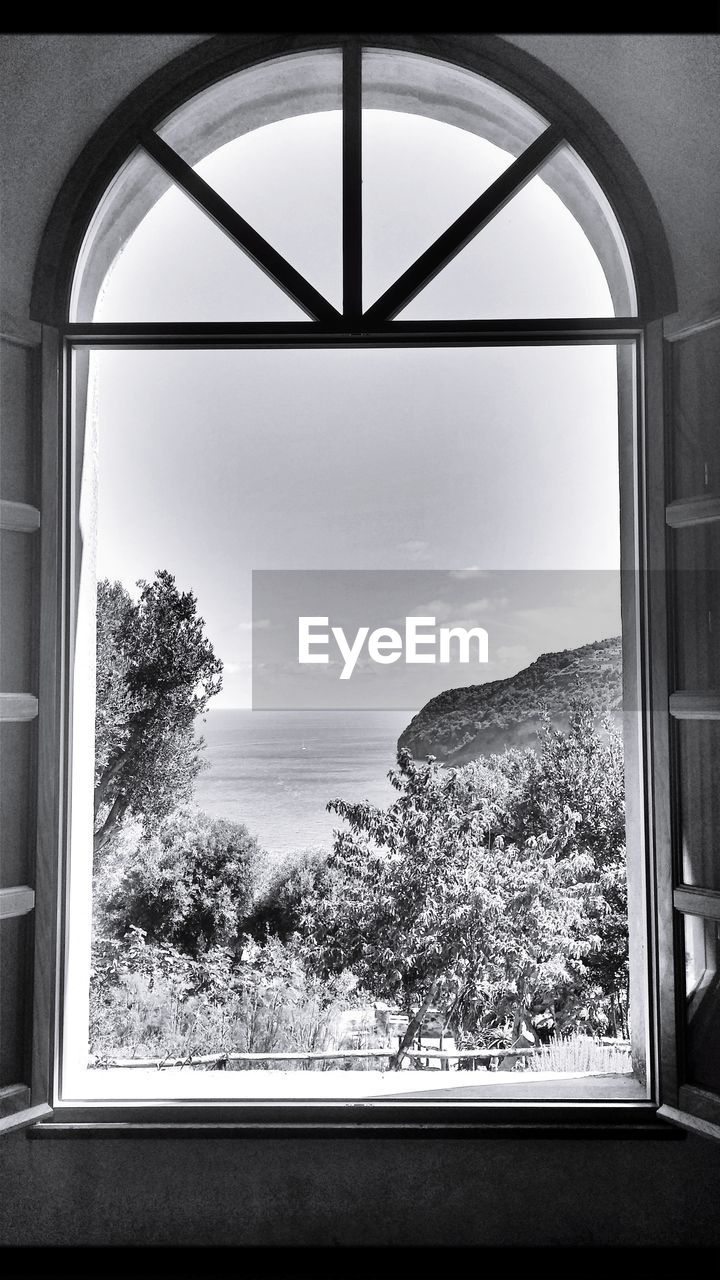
(592, 174)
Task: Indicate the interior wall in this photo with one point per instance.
(660, 94)
(57, 90)
(358, 1192)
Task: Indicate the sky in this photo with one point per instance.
(213, 464)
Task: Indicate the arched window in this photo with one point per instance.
(356, 246)
(414, 198)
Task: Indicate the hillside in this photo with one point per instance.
(462, 724)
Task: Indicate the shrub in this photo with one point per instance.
(151, 1000)
(280, 903)
(580, 1053)
(189, 886)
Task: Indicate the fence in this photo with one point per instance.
(218, 1061)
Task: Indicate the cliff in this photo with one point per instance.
(462, 724)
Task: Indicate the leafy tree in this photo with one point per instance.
(189, 885)
(582, 770)
(485, 887)
(279, 907)
(156, 672)
(579, 770)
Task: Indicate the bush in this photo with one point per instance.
(151, 1000)
(190, 886)
(279, 905)
(580, 1053)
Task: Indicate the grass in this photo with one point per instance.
(580, 1053)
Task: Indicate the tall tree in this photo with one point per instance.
(156, 672)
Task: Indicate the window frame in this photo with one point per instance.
(284, 337)
(80, 195)
(692, 1106)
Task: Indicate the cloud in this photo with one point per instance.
(471, 572)
(446, 611)
(257, 624)
(467, 623)
(233, 668)
(486, 604)
(440, 610)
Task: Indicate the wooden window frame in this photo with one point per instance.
(686, 1104)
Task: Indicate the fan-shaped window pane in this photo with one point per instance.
(151, 254)
(299, 84)
(434, 138)
(419, 175)
(393, 80)
(293, 164)
(269, 140)
(553, 250)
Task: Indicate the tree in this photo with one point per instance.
(481, 887)
(189, 885)
(586, 771)
(280, 904)
(582, 770)
(156, 672)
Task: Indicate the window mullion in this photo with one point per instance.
(352, 183)
(235, 226)
(462, 230)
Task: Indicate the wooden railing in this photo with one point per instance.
(218, 1061)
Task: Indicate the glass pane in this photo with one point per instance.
(702, 995)
(151, 254)
(269, 140)
(695, 396)
(394, 80)
(555, 249)
(386, 467)
(697, 605)
(699, 773)
(434, 138)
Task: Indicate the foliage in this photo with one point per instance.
(582, 770)
(151, 1000)
(495, 889)
(156, 672)
(280, 903)
(189, 885)
(580, 1053)
(485, 882)
(461, 724)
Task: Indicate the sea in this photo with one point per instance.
(276, 770)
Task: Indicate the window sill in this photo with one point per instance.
(390, 1118)
(559, 1126)
(177, 1085)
